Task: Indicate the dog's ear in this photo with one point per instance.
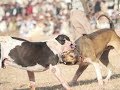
(67, 38)
(61, 39)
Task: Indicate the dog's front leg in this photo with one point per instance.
(31, 79)
(97, 69)
(57, 73)
(79, 71)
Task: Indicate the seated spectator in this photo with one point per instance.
(2, 11)
(12, 26)
(110, 8)
(37, 9)
(49, 25)
(30, 23)
(38, 31)
(21, 23)
(3, 25)
(17, 9)
(29, 9)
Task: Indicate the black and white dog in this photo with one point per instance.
(34, 56)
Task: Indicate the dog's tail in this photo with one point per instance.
(110, 21)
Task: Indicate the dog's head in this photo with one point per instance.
(69, 57)
(62, 38)
(68, 48)
(65, 42)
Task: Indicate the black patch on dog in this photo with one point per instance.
(61, 39)
(104, 57)
(32, 53)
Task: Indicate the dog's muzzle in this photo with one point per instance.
(68, 57)
(73, 46)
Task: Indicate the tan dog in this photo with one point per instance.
(92, 48)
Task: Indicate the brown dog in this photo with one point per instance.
(92, 48)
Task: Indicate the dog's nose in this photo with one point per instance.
(72, 45)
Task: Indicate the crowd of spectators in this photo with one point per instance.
(47, 16)
(106, 7)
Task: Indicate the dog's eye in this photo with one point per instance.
(63, 56)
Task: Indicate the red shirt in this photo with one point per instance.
(29, 10)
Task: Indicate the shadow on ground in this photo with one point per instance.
(59, 87)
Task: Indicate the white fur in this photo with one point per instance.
(97, 69)
(55, 46)
(36, 68)
(7, 43)
(103, 25)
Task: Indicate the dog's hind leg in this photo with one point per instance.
(105, 60)
(109, 67)
(79, 71)
(113, 44)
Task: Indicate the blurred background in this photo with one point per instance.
(48, 17)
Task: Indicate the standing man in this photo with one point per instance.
(78, 20)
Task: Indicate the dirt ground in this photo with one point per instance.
(16, 79)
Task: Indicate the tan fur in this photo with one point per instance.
(91, 48)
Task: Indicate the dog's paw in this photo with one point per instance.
(100, 82)
(105, 81)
